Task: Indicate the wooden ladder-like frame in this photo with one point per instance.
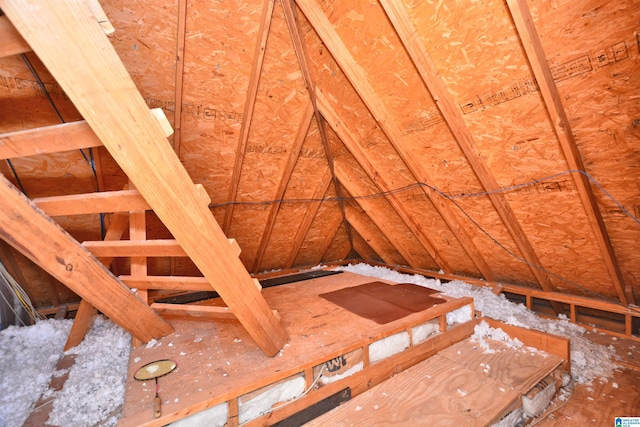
(69, 40)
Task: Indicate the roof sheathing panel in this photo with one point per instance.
(385, 160)
(593, 52)
(510, 125)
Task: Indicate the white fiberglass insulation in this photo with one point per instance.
(95, 388)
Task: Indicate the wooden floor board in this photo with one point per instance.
(218, 360)
(436, 392)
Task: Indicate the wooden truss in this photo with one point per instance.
(69, 39)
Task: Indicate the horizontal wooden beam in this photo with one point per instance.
(189, 310)
(58, 138)
(176, 283)
(136, 248)
(40, 239)
(92, 203)
(100, 202)
(143, 248)
(12, 42)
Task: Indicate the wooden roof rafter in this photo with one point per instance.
(331, 233)
(373, 236)
(537, 59)
(410, 38)
(303, 129)
(356, 186)
(252, 94)
(359, 81)
(180, 43)
(291, 17)
(363, 159)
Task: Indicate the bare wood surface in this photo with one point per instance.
(222, 359)
(40, 239)
(560, 122)
(12, 41)
(137, 143)
(249, 106)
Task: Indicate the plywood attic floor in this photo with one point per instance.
(218, 361)
(463, 385)
(593, 404)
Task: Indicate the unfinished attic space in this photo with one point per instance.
(319, 212)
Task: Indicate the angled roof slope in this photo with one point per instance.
(493, 139)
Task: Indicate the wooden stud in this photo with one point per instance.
(104, 93)
(301, 134)
(415, 47)
(82, 323)
(252, 93)
(36, 236)
(12, 41)
(560, 122)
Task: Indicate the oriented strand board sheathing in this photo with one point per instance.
(593, 52)
(505, 113)
(350, 109)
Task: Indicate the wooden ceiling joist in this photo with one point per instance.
(249, 106)
(103, 92)
(359, 81)
(424, 64)
(40, 239)
(560, 122)
(294, 152)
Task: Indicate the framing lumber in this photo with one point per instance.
(309, 215)
(104, 93)
(249, 106)
(562, 127)
(141, 248)
(100, 202)
(291, 17)
(40, 239)
(180, 43)
(50, 139)
(192, 310)
(82, 323)
(176, 283)
(410, 37)
(12, 41)
(359, 81)
(301, 134)
(58, 138)
(364, 160)
(372, 239)
(353, 186)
